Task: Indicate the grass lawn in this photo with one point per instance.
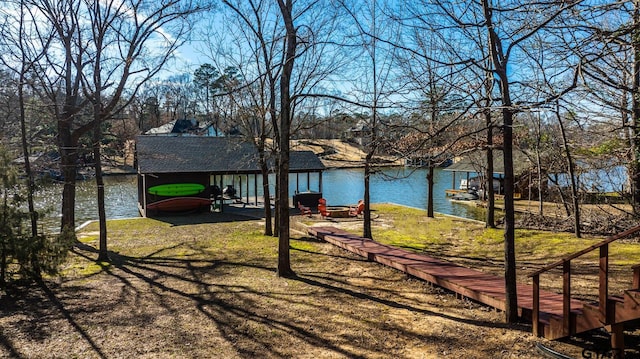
(470, 244)
(180, 289)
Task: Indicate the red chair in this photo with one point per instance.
(304, 210)
(322, 208)
(356, 210)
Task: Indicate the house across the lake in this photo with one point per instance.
(474, 167)
(196, 166)
(184, 127)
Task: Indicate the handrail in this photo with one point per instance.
(603, 285)
(586, 250)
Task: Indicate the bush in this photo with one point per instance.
(22, 254)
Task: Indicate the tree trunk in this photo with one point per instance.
(276, 216)
(491, 198)
(68, 148)
(3, 263)
(635, 121)
(572, 175)
(500, 63)
(284, 264)
(103, 253)
(539, 172)
(31, 186)
(511, 306)
(366, 231)
(264, 170)
(430, 180)
(3, 236)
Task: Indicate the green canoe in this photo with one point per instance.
(176, 189)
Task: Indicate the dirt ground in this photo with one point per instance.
(191, 288)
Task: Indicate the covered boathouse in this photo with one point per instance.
(209, 161)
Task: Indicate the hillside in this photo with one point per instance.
(339, 154)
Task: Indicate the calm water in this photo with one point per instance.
(121, 196)
(402, 186)
(340, 186)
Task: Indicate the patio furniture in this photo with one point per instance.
(356, 210)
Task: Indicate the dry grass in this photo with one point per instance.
(176, 289)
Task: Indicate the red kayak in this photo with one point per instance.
(179, 204)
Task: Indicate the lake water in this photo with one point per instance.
(340, 187)
(396, 185)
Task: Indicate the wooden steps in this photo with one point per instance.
(490, 289)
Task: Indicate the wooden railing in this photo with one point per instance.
(603, 286)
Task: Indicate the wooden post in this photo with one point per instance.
(320, 182)
(536, 306)
(255, 187)
(566, 298)
(603, 288)
(144, 196)
(221, 196)
(617, 341)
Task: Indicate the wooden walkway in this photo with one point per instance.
(479, 286)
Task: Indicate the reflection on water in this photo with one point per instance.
(121, 198)
(340, 187)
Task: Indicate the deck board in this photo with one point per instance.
(485, 288)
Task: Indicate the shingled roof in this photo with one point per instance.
(216, 155)
(476, 161)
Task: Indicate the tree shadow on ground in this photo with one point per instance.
(597, 343)
(7, 343)
(227, 306)
(231, 307)
(195, 284)
(320, 281)
(39, 305)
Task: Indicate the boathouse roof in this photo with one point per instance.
(476, 161)
(216, 155)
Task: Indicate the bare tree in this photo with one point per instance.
(178, 100)
(607, 42)
(507, 30)
(145, 107)
(571, 170)
(256, 32)
(60, 73)
(281, 65)
(125, 53)
(376, 69)
(501, 47)
(284, 130)
(439, 98)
